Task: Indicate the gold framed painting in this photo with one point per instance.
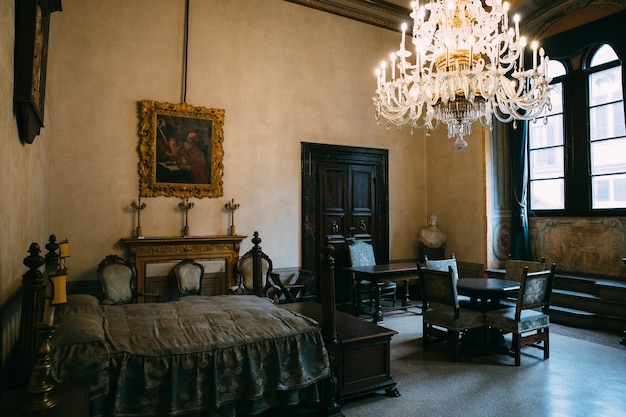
(181, 150)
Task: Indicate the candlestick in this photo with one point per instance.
(138, 207)
(38, 393)
(231, 206)
(185, 206)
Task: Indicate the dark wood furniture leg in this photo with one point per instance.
(378, 308)
(406, 300)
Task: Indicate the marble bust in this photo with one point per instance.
(431, 236)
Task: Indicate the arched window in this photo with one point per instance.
(546, 143)
(607, 131)
(577, 154)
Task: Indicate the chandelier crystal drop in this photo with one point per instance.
(466, 64)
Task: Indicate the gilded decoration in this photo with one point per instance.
(184, 249)
(181, 150)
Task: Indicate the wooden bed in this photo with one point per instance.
(225, 355)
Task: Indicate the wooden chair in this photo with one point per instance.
(267, 284)
(117, 280)
(443, 318)
(362, 254)
(529, 326)
(514, 267)
(443, 265)
(189, 277)
(513, 270)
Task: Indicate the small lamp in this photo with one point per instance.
(64, 252)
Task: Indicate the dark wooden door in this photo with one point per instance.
(344, 196)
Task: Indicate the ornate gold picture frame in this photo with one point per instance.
(181, 150)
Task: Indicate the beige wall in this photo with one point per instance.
(284, 73)
(456, 192)
(24, 170)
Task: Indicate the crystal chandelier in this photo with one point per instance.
(467, 65)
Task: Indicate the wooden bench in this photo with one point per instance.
(364, 359)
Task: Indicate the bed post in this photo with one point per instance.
(329, 330)
(257, 266)
(33, 291)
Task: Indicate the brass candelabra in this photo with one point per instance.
(138, 206)
(185, 206)
(231, 206)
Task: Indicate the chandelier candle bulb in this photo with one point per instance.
(506, 16)
(383, 66)
(522, 43)
(534, 46)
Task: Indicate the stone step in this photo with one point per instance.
(584, 319)
(589, 302)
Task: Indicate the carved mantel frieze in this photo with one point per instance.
(144, 251)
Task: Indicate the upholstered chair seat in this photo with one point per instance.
(443, 318)
(443, 315)
(528, 321)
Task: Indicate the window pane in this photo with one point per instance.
(546, 195)
(542, 135)
(608, 157)
(546, 163)
(605, 86)
(603, 55)
(607, 121)
(609, 191)
(556, 98)
(555, 69)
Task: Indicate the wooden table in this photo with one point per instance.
(364, 359)
(485, 294)
(488, 290)
(399, 271)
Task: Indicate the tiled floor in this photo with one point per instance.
(581, 378)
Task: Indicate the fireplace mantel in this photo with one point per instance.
(154, 257)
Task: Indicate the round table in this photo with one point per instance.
(487, 291)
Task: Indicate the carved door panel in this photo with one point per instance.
(344, 195)
(346, 210)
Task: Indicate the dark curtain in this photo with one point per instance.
(520, 241)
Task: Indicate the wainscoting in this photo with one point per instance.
(10, 314)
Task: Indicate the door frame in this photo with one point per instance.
(311, 155)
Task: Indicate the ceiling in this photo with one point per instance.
(390, 14)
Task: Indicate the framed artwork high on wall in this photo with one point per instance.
(181, 150)
(32, 23)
